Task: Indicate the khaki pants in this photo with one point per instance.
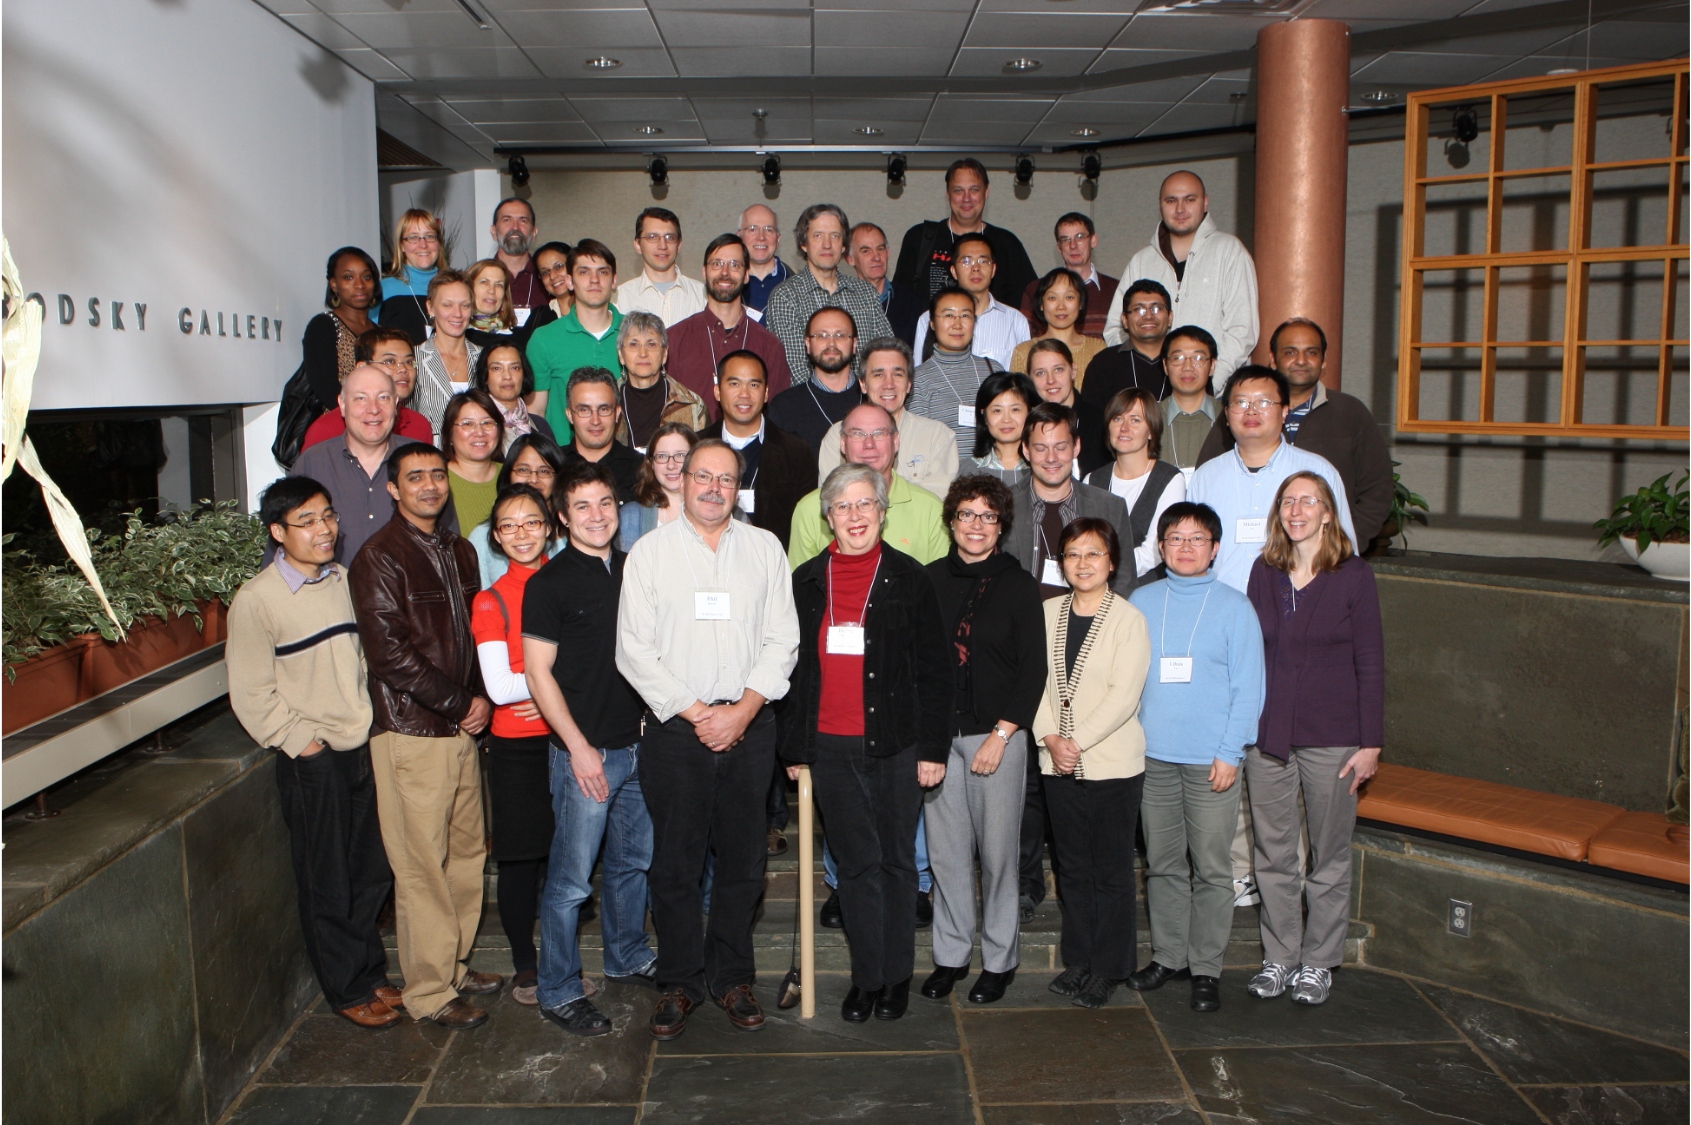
(428, 795)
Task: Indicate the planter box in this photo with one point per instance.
(46, 684)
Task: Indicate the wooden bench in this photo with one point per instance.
(1566, 828)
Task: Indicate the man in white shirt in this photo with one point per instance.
(927, 450)
(708, 635)
(660, 287)
(998, 327)
(1208, 271)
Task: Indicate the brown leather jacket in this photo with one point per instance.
(412, 593)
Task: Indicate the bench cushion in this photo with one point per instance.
(1645, 844)
(1469, 809)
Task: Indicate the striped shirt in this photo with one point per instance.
(794, 300)
(944, 384)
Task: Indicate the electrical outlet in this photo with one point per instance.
(1461, 918)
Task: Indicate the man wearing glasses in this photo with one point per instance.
(698, 344)
(927, 450)
(821, 234)
(929, 248)
(827, 391)
(390, 349)
(760, 230)
(594, 414)
(707, 634)
(1137, 361)
(1077, 238)
(998, 327)
(660, 287)
(1189, 411)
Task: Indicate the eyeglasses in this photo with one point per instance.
(1307, 503)
(1072, 239)
(669, 458)
(1252, 405)
(831, 336)
(844, 508)
(548, 271)
(725, 264)
(1085, 556)
(966, 516)
(524, 472)
(406, 364)
(758, 230)
(588, 410)
(868, 435)
(975, 260)
(652, 238)
(328, 517)
(419, 239)
(705, 480)
(956, 317)
(470, 425)
(534, 526)
(1177, 541)
(1187, 359)
(1155, 308)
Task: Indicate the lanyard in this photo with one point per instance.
(861, 617)
(809, 386)
(728, 336)
(1162, 640)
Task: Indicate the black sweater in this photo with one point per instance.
(1006, 643)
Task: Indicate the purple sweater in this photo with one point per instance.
(1325, 659)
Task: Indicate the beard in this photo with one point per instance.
(729, 297)
(833, 363)
(514, 244)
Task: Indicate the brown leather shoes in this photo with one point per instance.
(391, 996)
(480, 984)
(744, 1012)
(669, 1019)
(460, 1015)
(373, 1014)
(776, 841)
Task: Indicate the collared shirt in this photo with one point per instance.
(794, 300)
(914, 524)
(556, 350)
(668, 646)
(927, 452)
(1244, 500)
(361, 499)
(697, 345)
(997, 332)
(758, 289)
(434, 382)
(1296, 415)
(680, 301)
(527, 291)
(295, 578)
(1184, 433)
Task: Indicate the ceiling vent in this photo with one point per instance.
(394, 155)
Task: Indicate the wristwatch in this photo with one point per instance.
(1001, 733)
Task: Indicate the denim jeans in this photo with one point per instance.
(622, 825)
(924, 875)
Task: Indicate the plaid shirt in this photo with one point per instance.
(795, 299)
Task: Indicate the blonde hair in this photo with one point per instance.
(1282, 554)
(506, 313)
(416, 215)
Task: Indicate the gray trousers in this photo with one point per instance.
(1330, 813)
(1188, 873)
(969, 815)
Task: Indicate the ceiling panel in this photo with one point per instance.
(1219, 91)
(1188, 116)
(532, 132)
(980, 133)
(877, 28)
(1161, 90)
(783, 117)
(742, 30)
(875, 62)
(590, 32)
(1106, 117)
(1401, 11)
(372, 65)
(1428, 70)
(1636, 39)
(387, 7)
(1538, 66)
(1032, 30)
(596, 110)
(463, 62)
(1522, 42)
(723, 62)
(1183, 30)
(288, 7)
(500, 6)
(960, 110)
(894, 134)
(734, 5)
(1054, 62)
(513, 109)
(571, 62)
(874, 111)
(1119, 58)
(881, 5)
(421, 29)
(322, 29)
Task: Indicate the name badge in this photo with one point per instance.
(1052, 574)
(710, 605)
(966, 414)
(746, 501)
(1176, 669)
(1253, 530)
(845, 640)
(522, 316)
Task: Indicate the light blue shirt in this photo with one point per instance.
(1236, 493)
(1214, 715)
(493, 567)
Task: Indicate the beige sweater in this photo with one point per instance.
(1106, 700)
(296, 669)
(927, 453)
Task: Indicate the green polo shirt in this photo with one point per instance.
(556, 350)
(914, 525)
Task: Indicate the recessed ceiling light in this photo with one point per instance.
(602, 62)
(1023, 65)
(760, 114)
(1379, 97)
(867, 130)
(1083, 131)
(1563, 70)
(647, 130)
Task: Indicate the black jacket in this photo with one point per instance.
(906, 664)
(786, 473)
(1014, 274)
(1006, 640)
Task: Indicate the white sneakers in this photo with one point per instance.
(1245, 891)
(1272, 981)
(1309, 985)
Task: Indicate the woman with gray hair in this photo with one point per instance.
(649, 398)
(867, 709)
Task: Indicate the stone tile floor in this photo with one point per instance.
(1384, 1049)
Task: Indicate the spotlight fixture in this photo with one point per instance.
(1466, 124)
(518, 168)
(1563, 70)
(647, 130)
(1024, 170)
(601, 62)
(771, 170)
(1379, 97)
(896, 164)
(658, 169)
(1083, 131)
(760, 113)
(867, 131)
(1092, 166)
(1023, 65)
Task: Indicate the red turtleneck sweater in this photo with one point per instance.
(848, 578)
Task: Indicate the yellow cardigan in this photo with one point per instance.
(1106, 701)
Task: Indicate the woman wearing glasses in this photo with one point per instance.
(552, 264)
(1320, 736)
(418, 244)
(1061, 302)
(1201, 703)
(1092, 758)
(494, 316)
(503, 373)
(535, 460)
(472, 435)
(650, 398)
(991, 611)
(868, 710)
(657, 488)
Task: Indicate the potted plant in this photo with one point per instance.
(1406, 507)
(1653, 526)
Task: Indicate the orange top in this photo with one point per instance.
(487, 623)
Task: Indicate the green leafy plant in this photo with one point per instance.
(151, 570)
(1655, 513)
(1406, 505)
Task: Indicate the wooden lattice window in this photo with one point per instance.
(1545, 267)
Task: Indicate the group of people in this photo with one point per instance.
(633, 555)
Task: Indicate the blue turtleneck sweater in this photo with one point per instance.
(415, 281)
(1215, 715)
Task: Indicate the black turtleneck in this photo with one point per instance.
(1005, 641)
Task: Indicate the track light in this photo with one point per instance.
(771, 170)
(1024, 170)
(1466, 123)
(896, 165)
(1092, 166)
(658, 169)
(518, 168)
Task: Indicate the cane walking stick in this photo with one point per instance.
(807, 897)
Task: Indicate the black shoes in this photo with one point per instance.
(831, 917)
(646, 978)
(1070, 982)
(940, 983)
(859, 1004)
(1027, 906)
(1154, 976)
(894, 1001)
(989, 987)
(1206, 994)
(669, 1018)
(579, 1017)
(744, 1012)
(1096, 992)
(924, 909)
